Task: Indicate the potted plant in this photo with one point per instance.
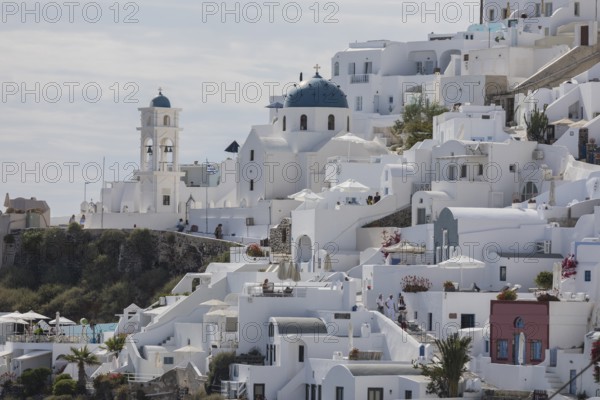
(449, 286)
(353, 355)
(507, 295)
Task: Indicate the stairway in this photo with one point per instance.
(553, 380)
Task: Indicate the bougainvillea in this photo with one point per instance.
(569, 266)
(414, 284)
(389, 239)
(595, 358)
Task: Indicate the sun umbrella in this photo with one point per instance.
(13, 320)
(214, 303)
(32, 315)
(350, 138)
(62, 321)
(461, 262)
(14, 314)
(350, 186)
(283, 271)
(404, 247)
(304, 195)
(223, 313)
(294, 274)
(327, 263)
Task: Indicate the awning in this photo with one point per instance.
(34, 354)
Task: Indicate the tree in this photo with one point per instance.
(115, 344)
(418, 120)
(445, 375)
(218, 370)
(537, 124)
(544, 279)
(83, 357)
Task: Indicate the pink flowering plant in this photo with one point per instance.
(389, 239)
(569, 266)
(414, 284)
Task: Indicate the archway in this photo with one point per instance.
(304, 249)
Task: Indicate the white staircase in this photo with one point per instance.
(553, 380)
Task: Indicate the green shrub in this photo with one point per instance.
(544, 280)
(61, 377)
(64, 387)
(507, 295)
(35, 380)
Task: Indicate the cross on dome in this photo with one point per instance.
(317, 67)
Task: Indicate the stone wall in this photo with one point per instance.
(400, 219)
(280, 237)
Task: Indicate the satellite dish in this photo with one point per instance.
(83, 321)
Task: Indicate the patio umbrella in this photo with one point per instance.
(404, 247)
(14, 314)
(32, 315)
(225, 312)
(214, 303)
(350, 138)
(461, 262)
(233, 147)
(350, 186)
(294, 274)
(521, 354)
(62, 321)
(305, 195)
(13, 320)
(327, 263)
(283, 271)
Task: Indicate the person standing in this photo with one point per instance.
(376, 198)
(390, 306)
(380, 304)
(219, 231)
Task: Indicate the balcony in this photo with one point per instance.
(362, 78)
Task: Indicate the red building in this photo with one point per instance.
(519, 331)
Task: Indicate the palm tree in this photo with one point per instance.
(445, 375)
(115, 344)
(82, 357)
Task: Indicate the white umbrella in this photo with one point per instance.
(13, 320)
(32, 315)
(62, 321)
(327, 263)
(305, 195)
(461, 262)
(214, 303)
(223, 313)
(350, 186)
(521, 355)
(350, 138)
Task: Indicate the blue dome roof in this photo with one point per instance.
(316, 92)
(160, 101)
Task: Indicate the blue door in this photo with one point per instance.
(572, 381)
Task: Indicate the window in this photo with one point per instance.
(358, 103)
(491, 15)
(587, 276)
(576, 9)
(347, 124)
(336, 69)
(391, 100)
(300, 353)
(452, 173)
(480, 170)
(502, 274)
(519, 323)
(486, 346)
(166, 120)
(251, 185)
(339, 393)
(549, 9)
(351, 68)
(368, 67)
(271, 330)
(502, 349)
(375, 394)
(408, 394)
(529, 191)
(467, 321)
(284, 123)
(259, 390)
(419, 67)
(251, 155)
(331, 122)
(463, 171)
(341, 316)
(168, 360)
(536, 350)
(166, 200)
(303, 122)
(319, 392)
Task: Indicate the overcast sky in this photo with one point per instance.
(74, 74)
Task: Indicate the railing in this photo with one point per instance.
(419, 187)
(362, 78)
(47, 339)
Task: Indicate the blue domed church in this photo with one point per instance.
(295, 150)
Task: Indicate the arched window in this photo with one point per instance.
(336, 69)
(530, 190)
(303, 122)
(331, 122)
(284, 123)
(166, 120)
(348, 124)
(519, 323)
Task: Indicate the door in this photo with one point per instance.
(572, 381)
(259, 391)
(375, 394)
(583, 140)
(553, 357)
(585, 35)
(430, 322)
